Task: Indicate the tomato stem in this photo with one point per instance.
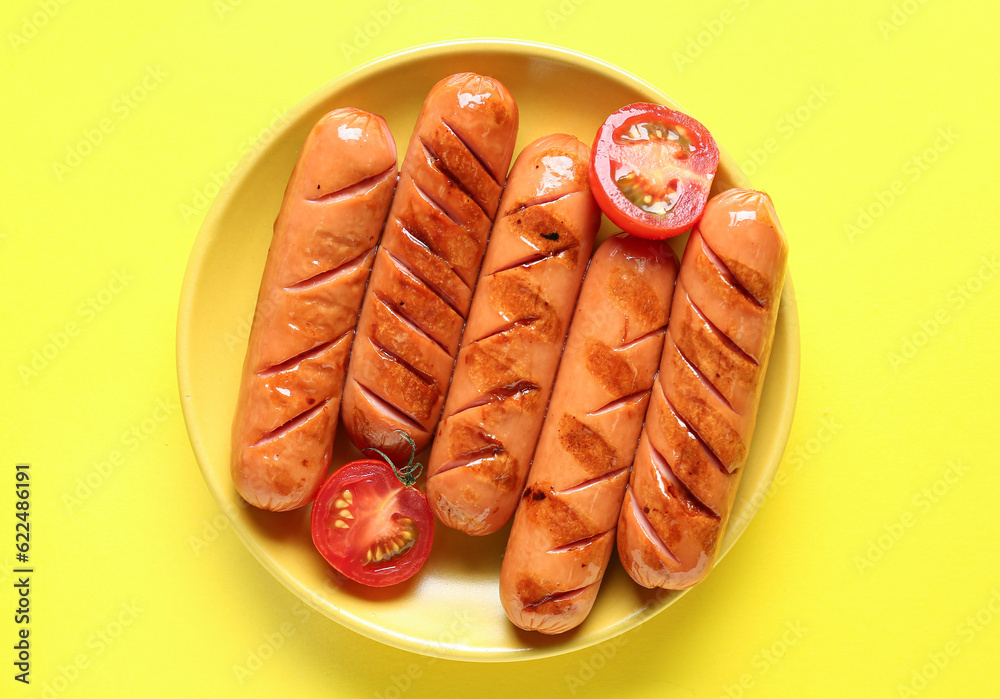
(408, 474)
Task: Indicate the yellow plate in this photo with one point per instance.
(452, 607)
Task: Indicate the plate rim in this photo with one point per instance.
(788, 311)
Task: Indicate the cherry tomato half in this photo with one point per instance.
(651, 169)
(371, 524)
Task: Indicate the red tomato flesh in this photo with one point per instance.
(651, 170)
(371, 527)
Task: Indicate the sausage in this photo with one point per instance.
(704, 405)
(538, 251)
(421, 285)
(564, 528)
(317, 266)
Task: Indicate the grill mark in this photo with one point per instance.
(534, 259)
(650, 532)
(520, 322)
(310, 353)
(359, 187)
(681, 491)
(701, 376)
(709, 452)
(587, 446)
(723, 337)
(592, 481)
(394, 412)
(518, 388)
(620, 403)
(439, 165)
(321, 278)
(424, 243)
(291, 424)
(405, 268)
(394, 309)
(393, 357)
(558, 597)
(580, 543)
(472, 151)
(728, 275)
(642, 338)
(448, 212)
(539, 201)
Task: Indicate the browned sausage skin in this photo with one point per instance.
(317, 265)
(564, 528)
(531, 275)
(704, 405)
(421, 285)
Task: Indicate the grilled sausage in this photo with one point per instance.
(538, 251)
(704, 405)
(421, 285)
(319, 260)
(564, 529)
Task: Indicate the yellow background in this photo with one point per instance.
(872, 569)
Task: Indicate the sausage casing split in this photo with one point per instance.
(537, 254)
(564, 528)
(317, 266)
(426, 267)
(704, 405)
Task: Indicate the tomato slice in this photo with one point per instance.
(371, 526)
(651, 169)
